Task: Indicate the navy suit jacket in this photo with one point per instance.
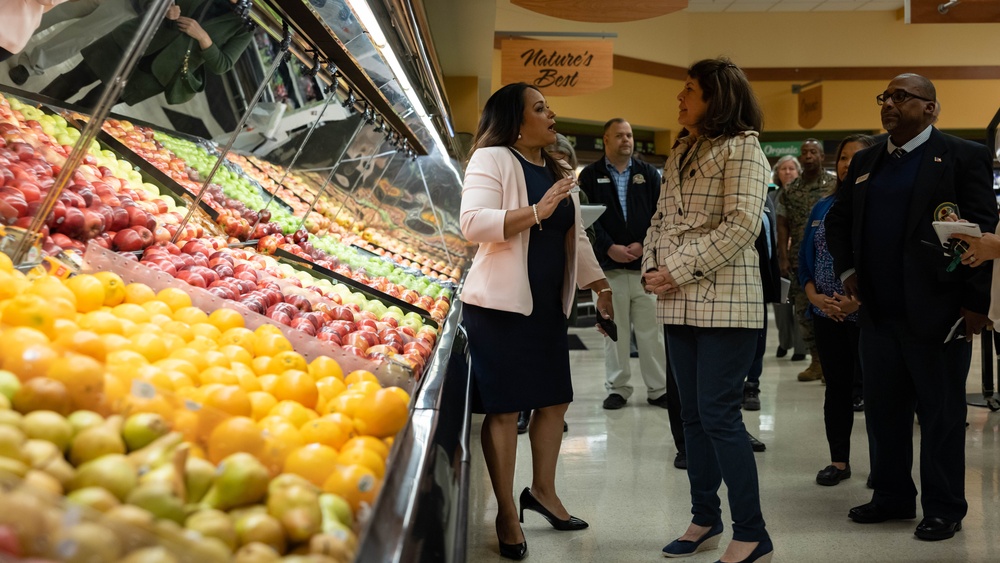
(951, 170)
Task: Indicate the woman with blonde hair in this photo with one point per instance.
(786, 169)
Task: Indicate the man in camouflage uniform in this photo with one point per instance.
(795, 203)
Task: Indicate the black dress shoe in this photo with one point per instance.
(681, 460)
(19, 74)
(798, 357)
(660, 401)
(936, 529)
(781, 353)
(872, 513)
(756, 444)
(830, 475)
(523, 418)
(515, 551)
(614, 401)
(529, 502)
(859, 404)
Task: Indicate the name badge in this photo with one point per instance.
(604, 180)
(861, 178)
(816, 222)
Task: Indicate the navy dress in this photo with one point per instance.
(522, 362)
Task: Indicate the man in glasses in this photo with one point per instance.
(876, 232)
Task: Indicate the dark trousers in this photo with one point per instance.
(905, 374)
(838, 353)
(674, 404)
(5, 54)
(710, 365)
(757, 367)
(66, 85)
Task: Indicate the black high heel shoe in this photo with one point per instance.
(529, 502)
(515, 551)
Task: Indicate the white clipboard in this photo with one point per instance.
(945, 229)
(786, 284)
(590, 213)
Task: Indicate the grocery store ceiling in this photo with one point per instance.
(792, 5)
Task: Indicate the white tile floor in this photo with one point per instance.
(616, 472)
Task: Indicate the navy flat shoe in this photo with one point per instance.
(760, 554)
(684, 548)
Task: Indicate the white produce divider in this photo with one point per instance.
(98, 259)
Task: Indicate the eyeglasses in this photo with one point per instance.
(898, 97)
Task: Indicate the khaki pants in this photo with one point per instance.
(636, 309)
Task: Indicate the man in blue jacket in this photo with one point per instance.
(630, 189)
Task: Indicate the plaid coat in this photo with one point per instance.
(703, 232)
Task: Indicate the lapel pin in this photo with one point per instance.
(937, 159)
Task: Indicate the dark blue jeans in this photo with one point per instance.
(710, 365)
(757, 365)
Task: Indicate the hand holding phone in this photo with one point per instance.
(609, 328)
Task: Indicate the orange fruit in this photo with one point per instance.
(365, 457)
(246, 378)
(360, 375)
(298, 386)
(345, 422)
(355, 483)
(190, 315)
(280, 438)
(346, 403)
(216, 358)
(364, 387)
(186, 422)
(172, 342)
(191, 356)
(330, 387)
(22, 335)
(83, 342)
(243, 337)
(176, 327)
(138, 293)
(325, 366)
(178, 380)
(314, 462)
(261, 364)
(82, 375)
(401, 392)
(273, 344)
(32, 311)
(28, 361)
(114, 342)
(42, 394)
(101, 322)
(202, 344)
(381, 414)
(6, 265)
(225, 319)
(175, 298)
(50, 286)
(89, 292)
(236, 354)
(207, 330)
(368, 443)
(157, 308)
(267, 329)
(229, 399)
(132, 312)
(236, 434)
(150, 345)
(176, 364)
(324, 431)
(114, 287)
(267, 382)
(261, 404)
(126, 358)
(284, 361)
(142, 328)
(294, 413)
(216, 374)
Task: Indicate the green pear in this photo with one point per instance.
(113, 472)
(157, 554)
(95, 498)
(12, 442)
(133, 526)
(286, 480)
(156, 453)
(97, 441)
(40, 452)
(262, 528)
(59, 468)
(335, 509)
(213, 524)
(140, 429)
(256, 552)
(302, 523)
(85, 542)
(11, 418)
(49, 426)
(198, 476)
(82, 420)
(331, 545)
(240, 480)
(158, 498)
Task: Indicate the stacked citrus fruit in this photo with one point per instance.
(85, 343)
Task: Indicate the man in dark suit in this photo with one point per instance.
(877, 233)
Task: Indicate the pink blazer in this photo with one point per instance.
(21, 18)
(498, 278)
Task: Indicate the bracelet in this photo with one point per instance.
(605, 290)
(534, 209)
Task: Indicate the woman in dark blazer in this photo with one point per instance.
(196, 35)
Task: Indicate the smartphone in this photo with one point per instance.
(609, 327)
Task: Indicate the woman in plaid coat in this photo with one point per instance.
(699, 259)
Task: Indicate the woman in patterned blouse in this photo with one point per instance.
(699, 259)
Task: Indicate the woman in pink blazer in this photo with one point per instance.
(520, 206)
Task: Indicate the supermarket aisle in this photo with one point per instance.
(615, 472)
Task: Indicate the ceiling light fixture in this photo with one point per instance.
(371, 25)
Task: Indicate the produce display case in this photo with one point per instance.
(389, 221)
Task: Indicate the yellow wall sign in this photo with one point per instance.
(810, 107)
(558, 68)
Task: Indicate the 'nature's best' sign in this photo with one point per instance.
(558, 68)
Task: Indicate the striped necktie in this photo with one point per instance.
(898, 153)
